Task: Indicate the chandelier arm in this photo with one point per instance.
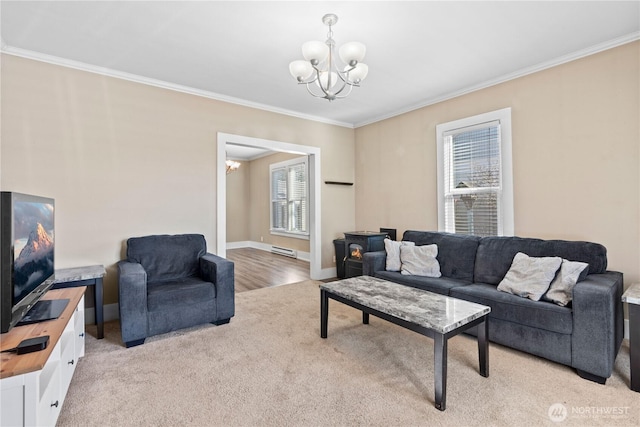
(344, 85)
(314, 94)
(346, 94)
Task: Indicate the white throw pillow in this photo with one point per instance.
(561, 288)
(530, 277)
(393, 253)
(420, 261)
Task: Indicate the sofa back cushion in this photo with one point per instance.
(167, 257)
(456, 252)
(495, 255)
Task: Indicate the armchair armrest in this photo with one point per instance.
(220, 272)
(373, 261)
(598, 323)
(132, 301)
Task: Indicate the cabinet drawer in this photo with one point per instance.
(79, 333)
(48, 408)
(68, 359)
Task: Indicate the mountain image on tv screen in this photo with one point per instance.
(33, 246)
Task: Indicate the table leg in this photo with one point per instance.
(634, 345)
(324, 313)
(483, 347)
(365, 318)
(98, 294)
(440, 374)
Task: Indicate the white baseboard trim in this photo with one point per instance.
(302, 256)
(327, 273)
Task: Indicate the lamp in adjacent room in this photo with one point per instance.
(231, 165)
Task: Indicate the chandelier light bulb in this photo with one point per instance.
(301, 70)
(324, 80)
(315, 51)
(352, 51)
(359, 73)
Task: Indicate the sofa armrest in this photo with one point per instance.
(132, 301)
(220, 272)
(598, 323)
(373, 261)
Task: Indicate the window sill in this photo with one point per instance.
(293, 235)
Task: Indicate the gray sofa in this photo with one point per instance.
(171, 282)
(585, 335)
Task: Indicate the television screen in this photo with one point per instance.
(33, 245)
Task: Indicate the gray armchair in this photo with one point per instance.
(171, 282)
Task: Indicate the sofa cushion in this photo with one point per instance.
(165, 257)
(419, 260)
(530, 277)
(456, 252)
(561, 288)
(178, 293)
(393, 254)
(495, 254)
(508, 307)
(439, 285)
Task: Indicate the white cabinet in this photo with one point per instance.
(35, 398)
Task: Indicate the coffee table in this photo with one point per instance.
(430, 314)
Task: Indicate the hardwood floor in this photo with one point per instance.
(255, 269)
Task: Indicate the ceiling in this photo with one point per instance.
(418, 53)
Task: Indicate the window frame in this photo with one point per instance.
(287, 165)
(506, 211)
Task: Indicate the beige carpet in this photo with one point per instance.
(269, 367)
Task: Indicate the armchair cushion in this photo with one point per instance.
(166, 257)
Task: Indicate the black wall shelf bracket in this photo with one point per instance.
(338, 183)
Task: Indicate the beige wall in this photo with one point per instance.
(248, 204)
(576, 163)
(239, 204)
(126, 159)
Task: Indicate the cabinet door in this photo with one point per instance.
(50, 403)
(79, 329)
(12, 409)
(68, 359)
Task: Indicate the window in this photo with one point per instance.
(289, 198)
(475, 184)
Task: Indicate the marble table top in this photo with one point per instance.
(427, 309)
(64, 275)
(632, 295)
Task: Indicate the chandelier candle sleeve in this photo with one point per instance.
(320, 66)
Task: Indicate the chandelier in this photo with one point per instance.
(231, 165)
(320, 71)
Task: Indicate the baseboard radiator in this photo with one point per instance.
(284, 251)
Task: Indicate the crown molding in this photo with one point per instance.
(600, 47)
(55, 60)
(4, 48)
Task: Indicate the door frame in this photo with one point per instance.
(315, 228)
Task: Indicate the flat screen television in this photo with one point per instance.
(26, 254)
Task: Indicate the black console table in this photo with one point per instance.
(84, 276)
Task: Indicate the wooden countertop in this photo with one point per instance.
(12, 364)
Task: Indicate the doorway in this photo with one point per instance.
(313, 154)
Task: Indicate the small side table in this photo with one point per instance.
(632, 298)
(84, 276)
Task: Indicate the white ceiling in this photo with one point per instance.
(418, 52)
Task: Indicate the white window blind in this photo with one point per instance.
(471, 177)
(290, 197)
